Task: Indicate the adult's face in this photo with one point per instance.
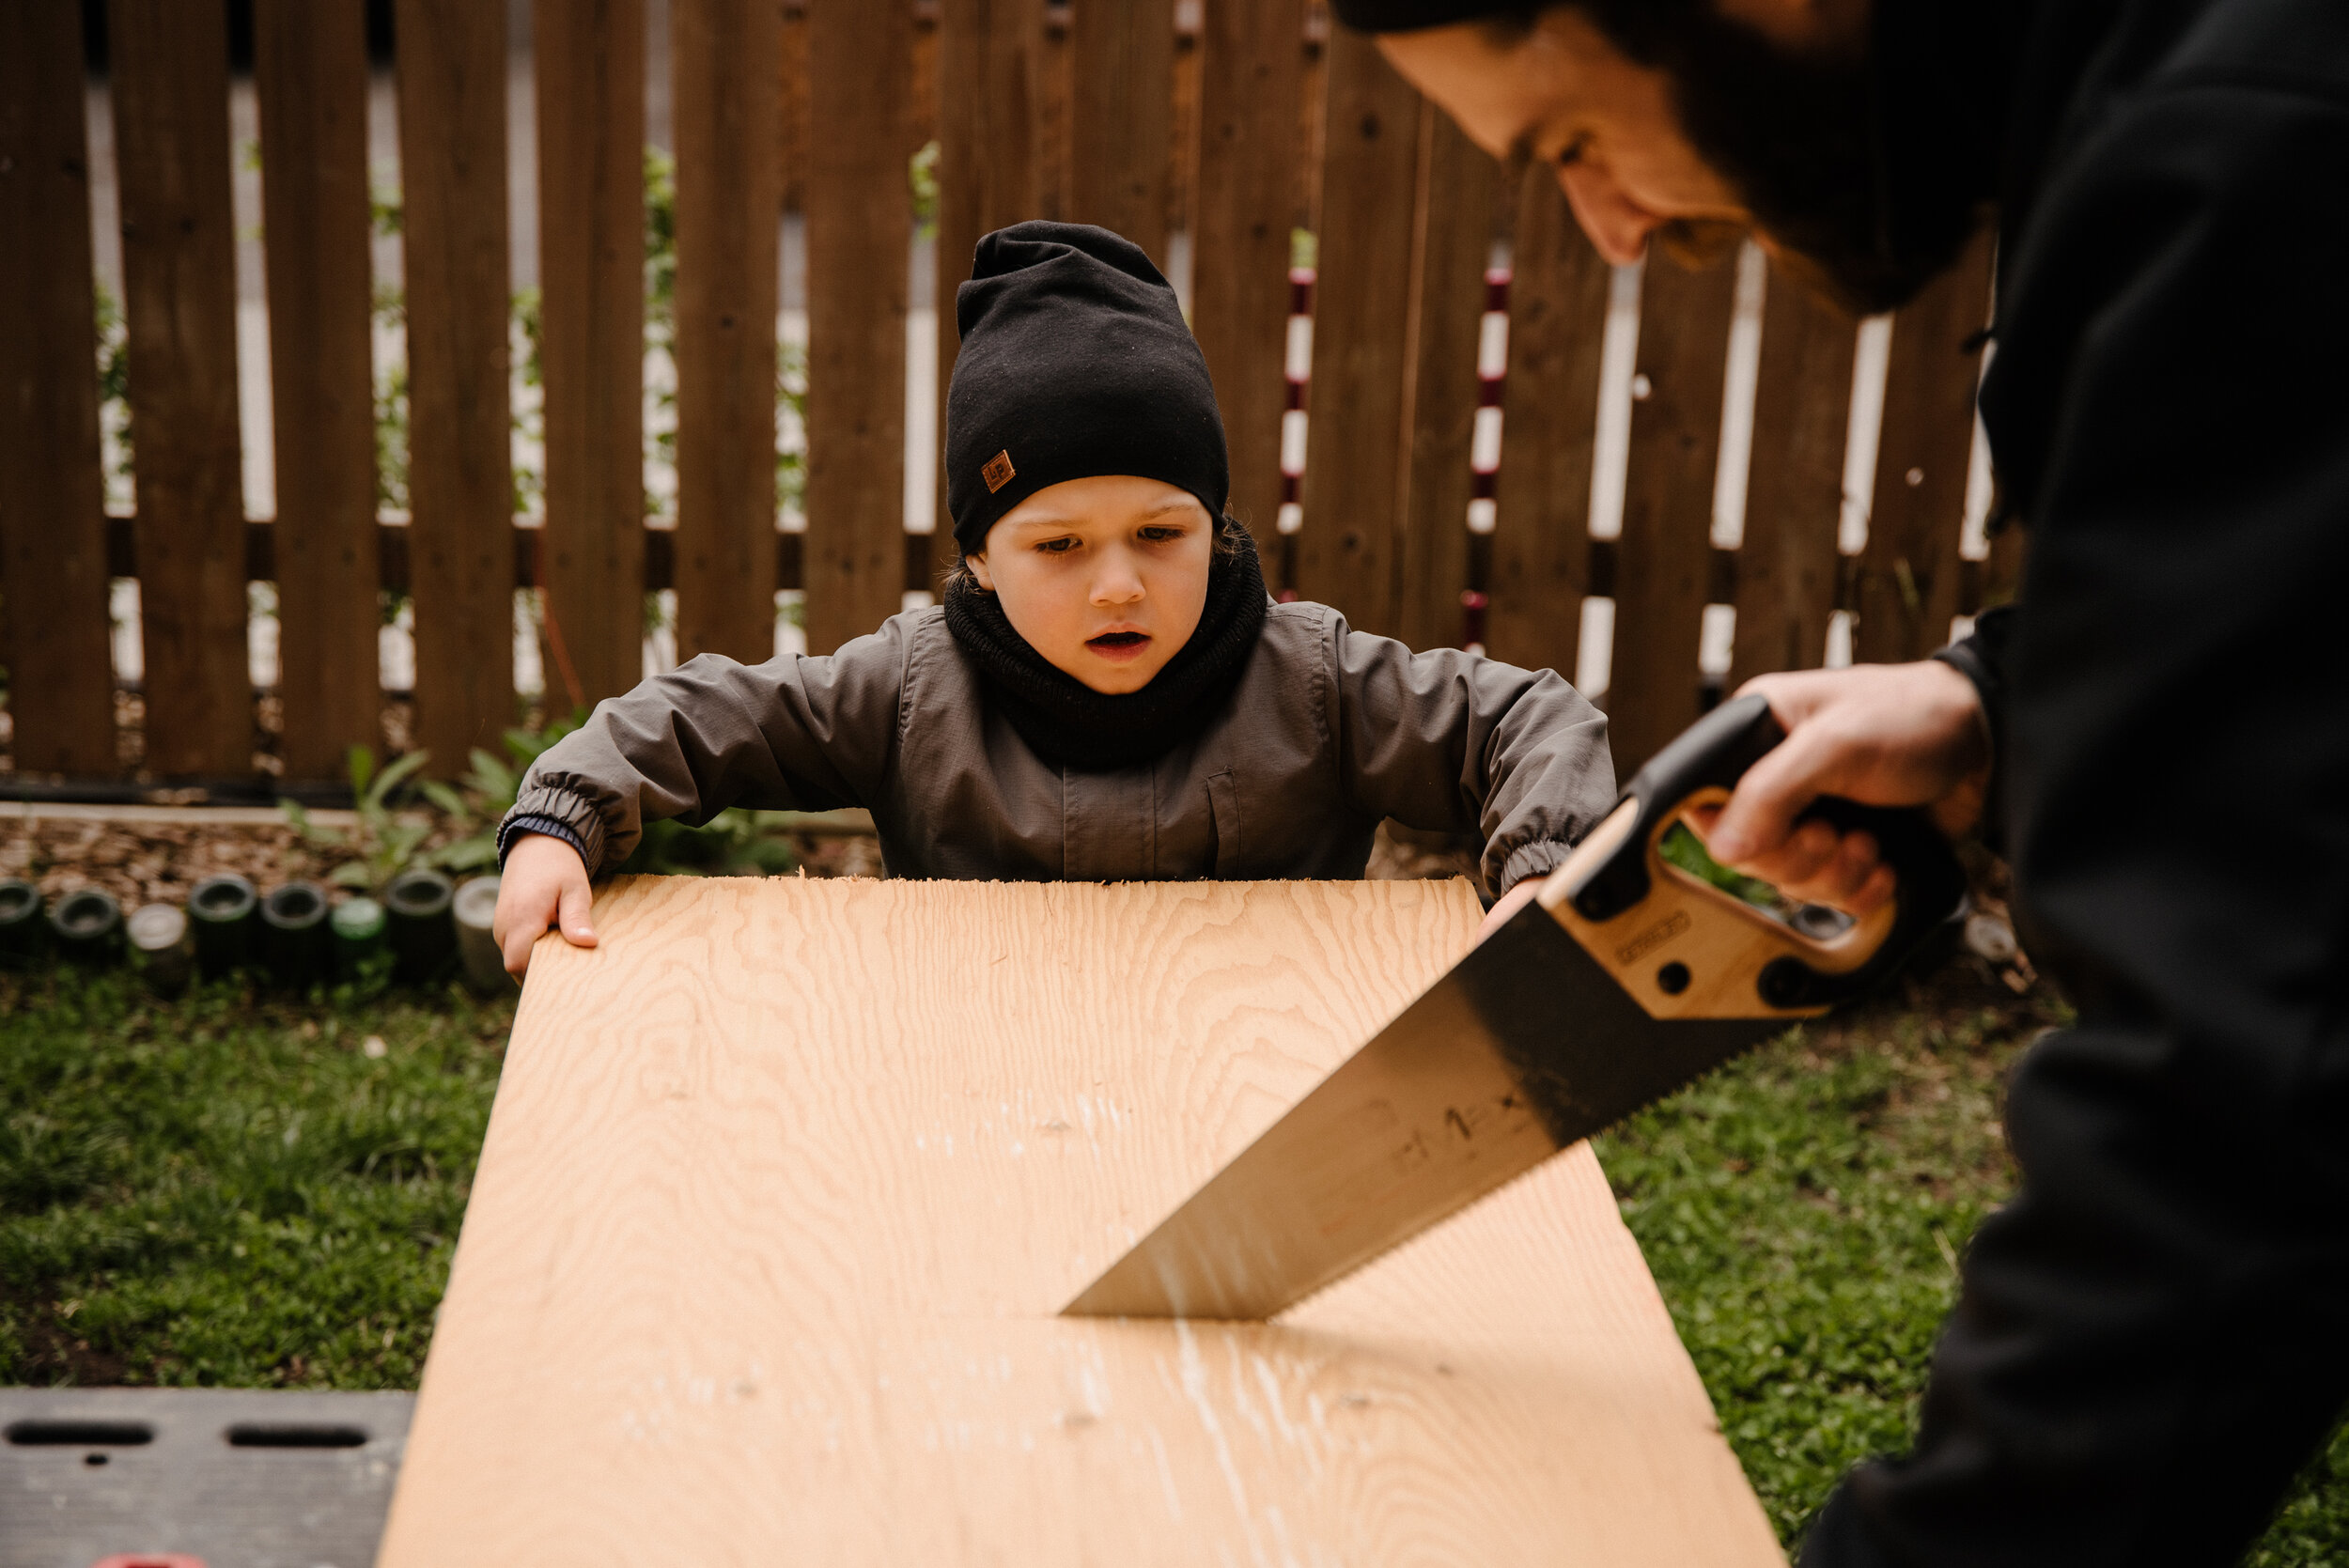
(1758, 114)
(1565, 96)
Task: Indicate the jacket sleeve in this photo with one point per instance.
(793, 734)
(1981, 657)
(1448, 741)
(2154, 1334)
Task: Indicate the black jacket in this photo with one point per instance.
(2155, 1333)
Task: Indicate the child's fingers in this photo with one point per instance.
(516, 950)
(577, 899)
(527, 907)
(518, 930)
(1509, 904)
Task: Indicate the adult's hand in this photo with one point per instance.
(1884, 735)
(543, 884)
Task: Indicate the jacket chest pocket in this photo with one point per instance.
(1223, 810)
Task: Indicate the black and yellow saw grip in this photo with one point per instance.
(1685, 949)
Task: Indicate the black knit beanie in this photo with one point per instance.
(1410, 16)
(1075, 363)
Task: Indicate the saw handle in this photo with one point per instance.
(1713, 754)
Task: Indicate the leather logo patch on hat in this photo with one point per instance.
(998, 472)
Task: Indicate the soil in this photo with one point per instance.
(149, 862)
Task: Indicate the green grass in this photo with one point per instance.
(228, 1189)
(1804, 1211)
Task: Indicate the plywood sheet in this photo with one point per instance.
(788, 1179)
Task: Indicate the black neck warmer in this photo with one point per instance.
(1067, 721)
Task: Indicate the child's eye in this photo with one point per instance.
(1160, 535)
(1056, 547)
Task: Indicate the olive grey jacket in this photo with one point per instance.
(1328, 731)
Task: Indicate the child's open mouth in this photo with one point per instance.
(1119, 645)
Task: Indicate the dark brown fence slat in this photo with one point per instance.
(53, 548)
(1253, 65)
(728, 202)
(1459, 188)
(1549, 424)
(589, 57)
(460, 483)
(310, 79)
(990, 170)
(1664, 559)
(1122, 56)
(170, 79)
(1357, 470)
(791, 128)
(1786, 566)
(1182, 174)
(1907, 587)
(858, 220)
(1056, 95)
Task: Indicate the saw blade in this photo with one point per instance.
(1525, 1047)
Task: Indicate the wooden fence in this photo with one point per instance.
(1237, 123)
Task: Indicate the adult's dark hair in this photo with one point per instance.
(1637, 27)
(1643, 29)
(1876, 193)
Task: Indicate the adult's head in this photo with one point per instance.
(1684, 120)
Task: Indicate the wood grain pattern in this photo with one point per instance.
(786, 1179)
(1460, 190)
(1786, 565)
(310, 79)
(859, 222)
(1907, 586)
(170, 79)
(729, 202)
(589, 61)
(1549, 424)
(1357, 470)
(990, 168)
(791, 129)
(1122, 114)
(1663, 559)
(53, 541)
(1253, 61)
(461, 482)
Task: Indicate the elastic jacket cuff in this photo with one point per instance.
(1981, 659)
(1538, 859)
(557, 813)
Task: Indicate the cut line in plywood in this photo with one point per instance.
(787, 1180)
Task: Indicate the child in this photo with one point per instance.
(1106, 693)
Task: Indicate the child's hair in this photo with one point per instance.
(1229, 537)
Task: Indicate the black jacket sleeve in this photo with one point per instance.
(2155, 1333)
(1981, 657)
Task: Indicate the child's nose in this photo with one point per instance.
(1118, 584)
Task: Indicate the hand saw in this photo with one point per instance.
(1626, 978)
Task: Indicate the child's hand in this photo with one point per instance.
(543, 884)
(1507, 904)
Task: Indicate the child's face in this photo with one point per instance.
(1105, 576)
